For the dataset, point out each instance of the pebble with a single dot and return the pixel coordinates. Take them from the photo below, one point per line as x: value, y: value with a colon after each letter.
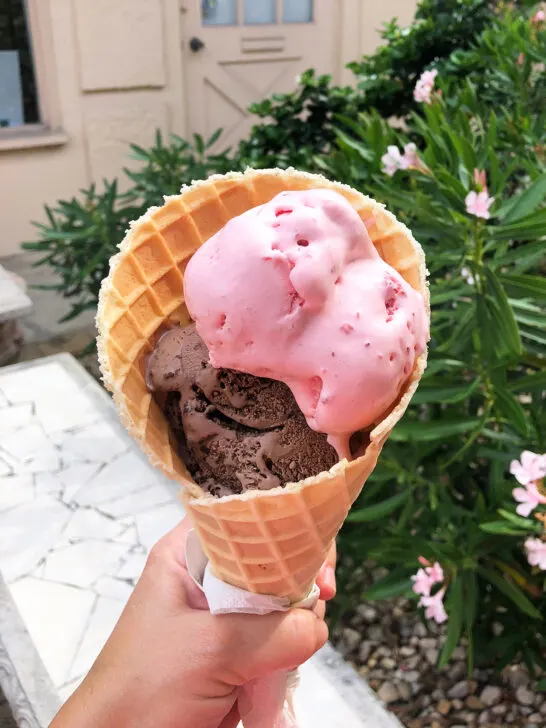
x: 457, y: 704
x: 412, y: 662
x: 368, y: 614
x: 388, y: 693
x: 388, y: 663
x: 515, y: 676
x: 457, y: 671
x: 524, y: 696
x: 459, y: 653
x: 365, y: 650
x: 376, y: 633
x: 543, y: 708
x: 535, y: 719
x: 500, y: 709
x: 414, y: 641
x: 459, y: 690
x: 411, y: 676
x: 427, y: 643
x: 407, y: 651
x: 490, y: 695
x: 432, y: 656
x: 351, y: 638
x: 443, y: 707
x: 483, y: 718
x: 404, y: 689
x: 474, y: 703
x: 420, y: 630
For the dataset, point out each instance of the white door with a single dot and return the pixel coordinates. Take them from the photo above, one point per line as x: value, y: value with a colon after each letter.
x: 241, y: 51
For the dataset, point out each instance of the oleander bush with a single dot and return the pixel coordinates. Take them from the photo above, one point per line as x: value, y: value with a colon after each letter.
x: 468, y: 177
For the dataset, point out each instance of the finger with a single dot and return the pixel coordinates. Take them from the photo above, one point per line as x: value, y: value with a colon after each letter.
x: 251, y: 646
x: 320, y: 608
x: 173, y: 543
x: 326, y: 580
x: 166, y: 567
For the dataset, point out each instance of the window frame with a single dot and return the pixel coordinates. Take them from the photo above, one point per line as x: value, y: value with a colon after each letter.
x: 47, y: 132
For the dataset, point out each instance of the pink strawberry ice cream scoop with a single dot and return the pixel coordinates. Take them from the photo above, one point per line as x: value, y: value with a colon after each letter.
x: 294, y: 290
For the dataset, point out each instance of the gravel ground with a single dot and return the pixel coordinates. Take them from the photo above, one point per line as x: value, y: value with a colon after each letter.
x: 393, y: 650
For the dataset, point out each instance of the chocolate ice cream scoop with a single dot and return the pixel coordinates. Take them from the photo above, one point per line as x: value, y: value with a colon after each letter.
x: 236, y: 431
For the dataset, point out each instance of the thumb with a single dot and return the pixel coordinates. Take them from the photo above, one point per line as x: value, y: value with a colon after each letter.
x: 254, y: 646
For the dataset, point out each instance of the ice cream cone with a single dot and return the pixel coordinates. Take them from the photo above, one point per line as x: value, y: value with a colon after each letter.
x: 264, y: 541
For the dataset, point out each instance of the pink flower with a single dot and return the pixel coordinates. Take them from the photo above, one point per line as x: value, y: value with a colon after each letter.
x: 536, y: 552
x: 531, y: 468
x: 480, y: 179
x: 436, y: 573
x: 478, y: 204
x: 422, y: 583
x: 528, y: 498
x: 424, y: 579
x: 424, y: 86
x: 410, y: 155
x: 434, y: 606
x: 394, y: 160
x: 520, y: 60
x: 539, y: 17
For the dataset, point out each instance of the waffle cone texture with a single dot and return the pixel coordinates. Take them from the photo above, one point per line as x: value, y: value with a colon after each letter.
x: 265, y: 541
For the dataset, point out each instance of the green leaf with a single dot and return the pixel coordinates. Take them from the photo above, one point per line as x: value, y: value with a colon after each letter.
x: 379, y: 510
x: 501, y: 527
x: 425, y: 395
x: 410, y: 431
x: 529, y: 383
x: 214, y: 138
x: 523, y: 255
x: 541, y: 685
x: 454, y: 608
x: 527, y: 524
x: 506, y: 328
x: 511, y: 410
x: 528, y: 200
x: 439, y: 365
x: 393, y: 585
x: 510, y: 590
x: 525, y: 285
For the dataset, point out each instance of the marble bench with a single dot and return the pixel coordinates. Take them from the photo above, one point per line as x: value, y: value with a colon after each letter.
x: 79, y: 510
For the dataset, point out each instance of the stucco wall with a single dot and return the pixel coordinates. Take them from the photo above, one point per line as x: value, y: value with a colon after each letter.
x: 119, y: 76
x: 119, y: 72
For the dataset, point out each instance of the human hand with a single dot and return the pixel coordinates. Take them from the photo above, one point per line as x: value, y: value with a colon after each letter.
x: 170, y: 664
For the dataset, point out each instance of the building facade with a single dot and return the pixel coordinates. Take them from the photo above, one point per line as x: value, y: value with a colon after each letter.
x: 80, y: 79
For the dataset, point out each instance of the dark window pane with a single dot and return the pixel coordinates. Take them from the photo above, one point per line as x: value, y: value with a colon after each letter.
x: 18, y: 93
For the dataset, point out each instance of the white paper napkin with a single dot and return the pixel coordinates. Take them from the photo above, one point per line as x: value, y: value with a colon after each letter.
x: 267, y: 702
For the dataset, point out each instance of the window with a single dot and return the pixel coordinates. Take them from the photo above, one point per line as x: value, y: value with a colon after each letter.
x: 256, y: 12
x: 18, y: 92
x: 29, y: 102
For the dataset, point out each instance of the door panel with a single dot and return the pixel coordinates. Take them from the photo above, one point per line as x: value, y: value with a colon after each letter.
x: 245, y: 50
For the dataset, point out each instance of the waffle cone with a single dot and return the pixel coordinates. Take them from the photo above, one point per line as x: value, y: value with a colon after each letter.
x: 272, y: 541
